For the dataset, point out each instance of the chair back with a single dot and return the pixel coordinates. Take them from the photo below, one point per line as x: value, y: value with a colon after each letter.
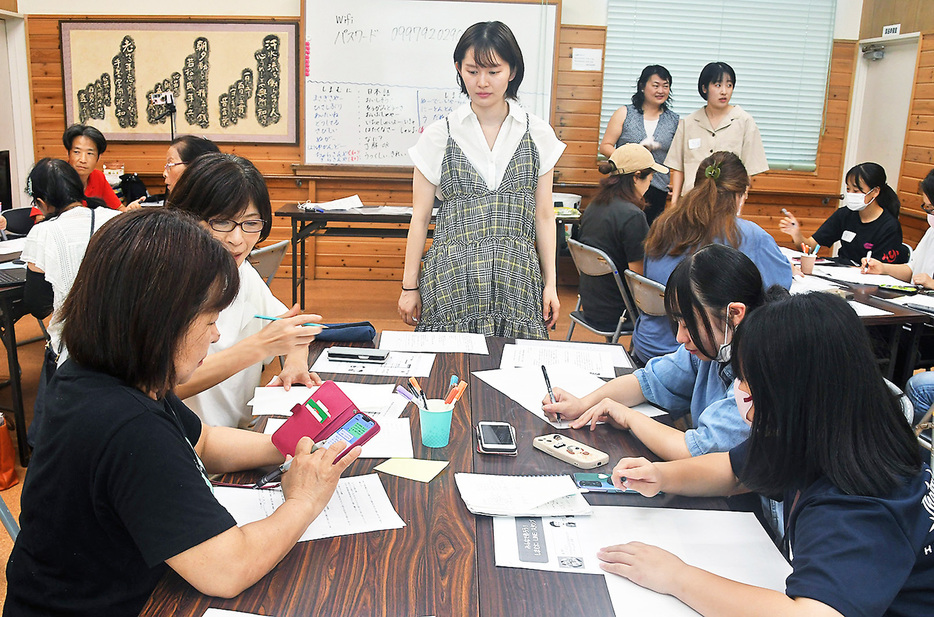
x: 647, y: 295
x: 18, y: 220
x: 594, y: 262
x: 267, y: 259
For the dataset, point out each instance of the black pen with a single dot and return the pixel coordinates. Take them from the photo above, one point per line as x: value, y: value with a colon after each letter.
x: 276, y: 473
x: 551, y: 393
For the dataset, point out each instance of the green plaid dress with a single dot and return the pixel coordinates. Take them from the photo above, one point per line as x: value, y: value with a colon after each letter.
x: 482, y: 273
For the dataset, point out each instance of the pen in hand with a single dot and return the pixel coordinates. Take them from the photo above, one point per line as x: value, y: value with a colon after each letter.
x: 268, y: 318
x: 276, y: 473
x: 551, y: 393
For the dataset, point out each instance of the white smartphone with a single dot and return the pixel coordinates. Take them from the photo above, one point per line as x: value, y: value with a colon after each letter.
x: 496, y: 438
x: 357, y: 354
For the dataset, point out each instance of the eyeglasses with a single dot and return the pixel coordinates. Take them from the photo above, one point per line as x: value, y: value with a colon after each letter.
x: 249, y: 227
x: 168, y: 166
x: 928, y: 209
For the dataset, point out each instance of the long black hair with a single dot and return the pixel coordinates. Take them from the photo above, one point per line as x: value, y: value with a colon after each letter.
x: 707, y: 282
x: 927, y: 186
x: 653, y: 69
x: 821, y: 406
x: 56, y: 183
x: 872, y: 175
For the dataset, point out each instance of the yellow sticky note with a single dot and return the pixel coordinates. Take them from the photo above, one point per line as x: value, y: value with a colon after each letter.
x: 412, y: 468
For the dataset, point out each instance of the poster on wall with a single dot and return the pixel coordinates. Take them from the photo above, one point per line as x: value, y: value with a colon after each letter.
x: 227, y: 81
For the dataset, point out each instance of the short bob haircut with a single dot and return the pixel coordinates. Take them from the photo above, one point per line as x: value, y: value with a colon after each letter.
x: 707, y: 282
x: 653, y: 69
x: 145, y: 277
x: 711, y: 74
x: 221, y: 186
x: 491, y: 39
x: 56, y: 183
x: 822, y: 408
x: 82, y: 130
x: 872, y: 175
x: 190, y: 147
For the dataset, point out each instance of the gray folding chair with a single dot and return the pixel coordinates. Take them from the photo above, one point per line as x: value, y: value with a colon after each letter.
x: 647, y: 295
x: 594, y: 262
x: 9, y: 521
x: 267, y: 259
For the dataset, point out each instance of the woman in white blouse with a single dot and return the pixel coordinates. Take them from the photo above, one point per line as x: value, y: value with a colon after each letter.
x: 491, y: 265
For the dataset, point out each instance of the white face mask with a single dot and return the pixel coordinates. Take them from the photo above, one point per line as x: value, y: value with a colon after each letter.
x: 743, y: 402
x: 931, y: 220
x: 726, y: 348
x: 856, y: 201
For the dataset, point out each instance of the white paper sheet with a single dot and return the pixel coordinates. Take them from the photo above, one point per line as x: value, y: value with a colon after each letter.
x: 526, y: 386
x: 918, y: 302
x: 854, y: 275
x: 494, y: 495
x: 864, y: 310
x: 801, y: 284
x: 438, y: 342
x: 12, y: 247
x: 617, y: 353
x: 731, y: 544
x: 399, y: 364
x: 394, y: 439
x: 358, y: 505
x: 376, y: 400
x: 595, y: 362
x: 344, y: 203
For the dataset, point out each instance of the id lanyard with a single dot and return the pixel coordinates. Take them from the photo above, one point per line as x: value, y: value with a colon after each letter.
x: 181, y: 429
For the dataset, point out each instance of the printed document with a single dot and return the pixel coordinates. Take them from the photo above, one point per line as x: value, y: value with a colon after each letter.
x: 618, y: 355
x: 376, y: 400
x: 864, y: 310
x: 492, y: 495
x: 855, y: 275
x: 439, y: 342
x: 596, y: 362
x: 398, y: 364
x: 358, y: 505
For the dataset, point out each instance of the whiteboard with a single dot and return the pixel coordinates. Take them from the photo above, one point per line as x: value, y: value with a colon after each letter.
x: 377, y: 72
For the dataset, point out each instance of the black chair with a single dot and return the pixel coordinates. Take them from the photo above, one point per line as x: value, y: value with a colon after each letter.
x: 18, y: 221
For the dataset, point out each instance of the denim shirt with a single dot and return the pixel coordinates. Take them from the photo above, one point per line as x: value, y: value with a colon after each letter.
x: 681, y: 382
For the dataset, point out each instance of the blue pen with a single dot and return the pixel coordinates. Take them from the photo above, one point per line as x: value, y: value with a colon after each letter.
x: 454, y: 381
x: 319, y: 210
x: 267, y: 318
x: 816, y: 248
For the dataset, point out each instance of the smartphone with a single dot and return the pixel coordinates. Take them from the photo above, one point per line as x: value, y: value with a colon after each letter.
x: 598, y: 483
x: 357, y: 354
x: 906, y: 289
x: 496, y: 438
x: 357, y: 430
x: 570, y: 451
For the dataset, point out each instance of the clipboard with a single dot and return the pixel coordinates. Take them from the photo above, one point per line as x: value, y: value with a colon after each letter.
x: 320, y: 417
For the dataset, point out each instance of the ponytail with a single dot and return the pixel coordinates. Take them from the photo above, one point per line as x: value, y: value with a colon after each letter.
x: 872, y: 176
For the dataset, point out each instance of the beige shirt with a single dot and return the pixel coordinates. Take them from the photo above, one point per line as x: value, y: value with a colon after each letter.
x: 696, y: 139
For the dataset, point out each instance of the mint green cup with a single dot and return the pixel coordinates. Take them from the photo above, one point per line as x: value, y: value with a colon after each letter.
x: 436, y: 423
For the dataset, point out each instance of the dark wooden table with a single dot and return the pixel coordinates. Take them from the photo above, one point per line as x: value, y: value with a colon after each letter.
x: 441, y: 563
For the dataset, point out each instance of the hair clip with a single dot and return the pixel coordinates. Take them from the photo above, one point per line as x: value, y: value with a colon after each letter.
x: 29, y: 186
x: 713, y: 171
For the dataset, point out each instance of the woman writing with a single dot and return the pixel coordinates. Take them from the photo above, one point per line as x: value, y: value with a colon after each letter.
x: 615, y: 224
x: 838, y: 448
x: 229, y: 196
x: 649, y: 122
x: 868, y: 223
x: 709, y: 294
x: 491, y: 265
x: 718, y: 125
x: 124, y: 457
x: 708, y: 213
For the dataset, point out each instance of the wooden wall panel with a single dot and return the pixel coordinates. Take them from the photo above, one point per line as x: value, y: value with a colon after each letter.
x: 913, y: 15
x: 576, y: 122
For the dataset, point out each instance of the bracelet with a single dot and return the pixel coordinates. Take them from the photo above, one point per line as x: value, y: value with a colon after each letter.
x: 404, y: 288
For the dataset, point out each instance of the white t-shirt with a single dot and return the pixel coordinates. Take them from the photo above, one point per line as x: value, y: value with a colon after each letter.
x: 226, y: 403
x: 56, y: 247
x: 428, y: 153
x: 922, y: 258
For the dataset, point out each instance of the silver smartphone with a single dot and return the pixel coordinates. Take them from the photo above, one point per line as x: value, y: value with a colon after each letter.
x: 357, y: 354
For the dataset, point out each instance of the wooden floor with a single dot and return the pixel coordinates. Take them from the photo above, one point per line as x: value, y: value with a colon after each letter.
x: 334, y: 300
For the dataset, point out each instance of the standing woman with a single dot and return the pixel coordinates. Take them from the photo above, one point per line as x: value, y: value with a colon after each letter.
x: 716, y: 126
x: 868, y: 223
x: 491, y: 266
x: 650, y: 122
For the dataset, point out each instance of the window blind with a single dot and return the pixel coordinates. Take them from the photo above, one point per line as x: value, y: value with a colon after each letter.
x: 779, y: 50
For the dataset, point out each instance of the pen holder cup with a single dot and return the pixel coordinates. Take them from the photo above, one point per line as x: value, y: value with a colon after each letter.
x: 807, y: 264
x: 436, y: 423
